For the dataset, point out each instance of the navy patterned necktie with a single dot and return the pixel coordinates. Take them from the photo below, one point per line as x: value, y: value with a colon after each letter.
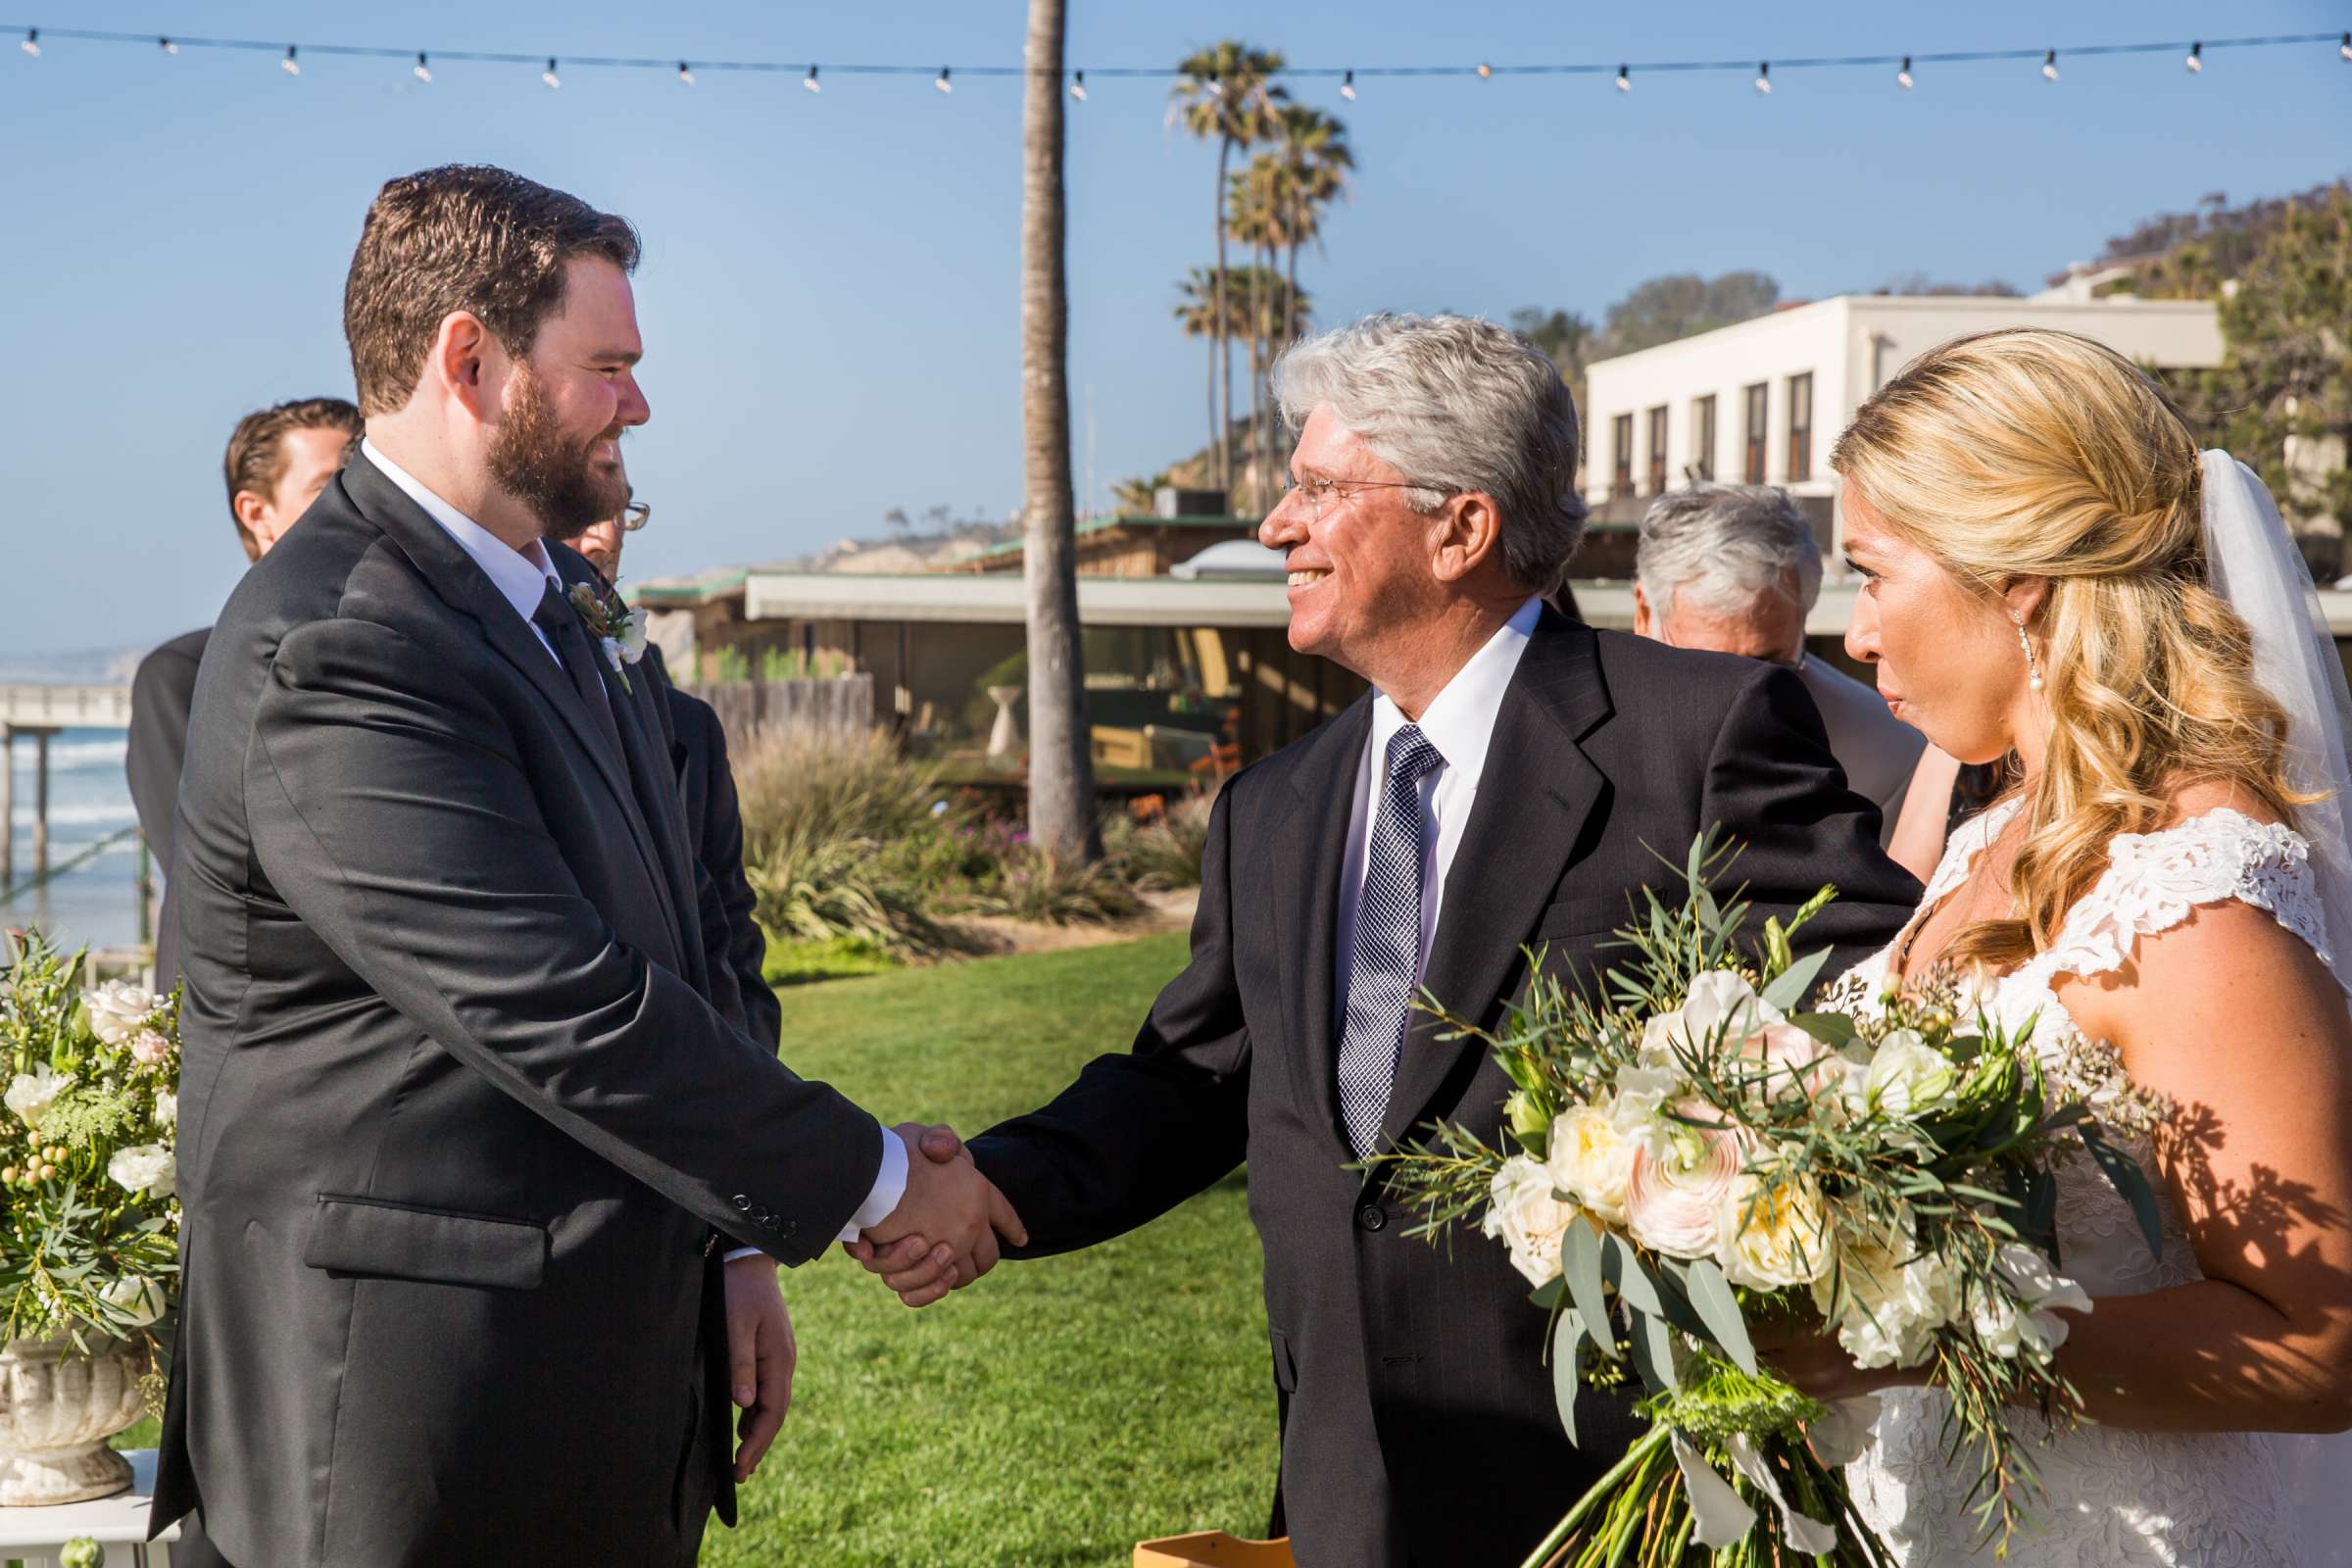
x: 1385, y: 961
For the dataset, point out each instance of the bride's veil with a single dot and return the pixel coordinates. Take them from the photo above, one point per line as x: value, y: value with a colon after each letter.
x: 2254, y: 564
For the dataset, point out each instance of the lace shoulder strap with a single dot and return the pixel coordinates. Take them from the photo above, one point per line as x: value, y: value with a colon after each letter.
x: 2153, y: 880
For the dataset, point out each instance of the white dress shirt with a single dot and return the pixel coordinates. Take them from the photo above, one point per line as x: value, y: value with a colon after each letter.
x: 520, y: 577
x: 1459, y: 721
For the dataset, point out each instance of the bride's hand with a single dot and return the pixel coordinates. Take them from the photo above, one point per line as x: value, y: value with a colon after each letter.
x: 1809, y: 1356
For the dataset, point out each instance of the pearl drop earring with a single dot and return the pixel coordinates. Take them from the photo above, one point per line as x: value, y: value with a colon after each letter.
x: 2032, y: 664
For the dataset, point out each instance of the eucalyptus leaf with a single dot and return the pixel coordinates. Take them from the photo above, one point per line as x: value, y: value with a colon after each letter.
x: 1654, y: 1349
x: 1789, y: 989
x: 1547, y: 1295
x: 2128, y: 1178
x: 1711, y: 1293
x: 1831, y: 1029
x: 1581, y: 1267
x: 1626, y: 1270
x: 1567, y: 1354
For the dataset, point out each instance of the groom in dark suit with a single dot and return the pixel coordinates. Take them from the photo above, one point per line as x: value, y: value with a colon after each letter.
x: 467, y: 1121
x: 1508, y: 783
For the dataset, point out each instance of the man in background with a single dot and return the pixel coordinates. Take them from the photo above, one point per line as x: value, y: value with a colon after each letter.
x: 279, y: 460
x: 1734, y: 567
x: 713, y: 817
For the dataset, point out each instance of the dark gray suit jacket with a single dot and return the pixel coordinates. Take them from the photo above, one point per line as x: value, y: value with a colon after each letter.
x: 714, y: 827
x: 160, y: 694
x: 1418, y: 1419
x: 459, y: 1119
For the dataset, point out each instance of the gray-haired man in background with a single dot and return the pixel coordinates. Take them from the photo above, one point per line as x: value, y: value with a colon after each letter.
x: 1734, y: 567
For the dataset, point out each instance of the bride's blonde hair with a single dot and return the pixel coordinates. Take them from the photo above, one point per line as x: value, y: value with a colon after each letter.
x: 2034, y: 454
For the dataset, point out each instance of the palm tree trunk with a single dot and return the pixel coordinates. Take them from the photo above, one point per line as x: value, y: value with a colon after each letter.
x: 1222, y: 348
x: 1061, y: 772
x: 1257, y: 335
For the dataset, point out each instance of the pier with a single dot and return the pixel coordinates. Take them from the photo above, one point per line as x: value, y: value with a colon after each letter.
x: 37, y: 712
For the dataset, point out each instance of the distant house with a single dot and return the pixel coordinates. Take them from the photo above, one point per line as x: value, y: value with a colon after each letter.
x: 1762, y: 402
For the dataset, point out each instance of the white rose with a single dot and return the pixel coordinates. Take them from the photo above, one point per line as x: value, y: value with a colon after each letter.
x: 1591, y: 1161
x: 29, y: 1094
x: 1528, y: 1218
x: 138, y: 1298
x: 147, y: 1168
x: 2043, y: 1290
x: 118, y: 1009
x: 1721, y: 999
x: 166, y: 1109
x: 1906, y: 1076
x: 1896, y: 1299
x: 1774, y: 1238
x: 633, y: 634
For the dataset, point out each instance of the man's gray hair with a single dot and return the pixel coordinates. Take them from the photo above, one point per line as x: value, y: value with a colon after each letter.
x: 1454, y: 405
x: 1725, y: 547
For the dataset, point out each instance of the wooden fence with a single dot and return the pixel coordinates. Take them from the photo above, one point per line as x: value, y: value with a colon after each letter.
x: 843, y: 706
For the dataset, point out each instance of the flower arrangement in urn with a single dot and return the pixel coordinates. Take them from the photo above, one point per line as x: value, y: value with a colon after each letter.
x: 90, y: 1219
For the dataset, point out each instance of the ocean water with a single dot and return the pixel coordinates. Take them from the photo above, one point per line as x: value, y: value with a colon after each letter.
x: 97, y: 902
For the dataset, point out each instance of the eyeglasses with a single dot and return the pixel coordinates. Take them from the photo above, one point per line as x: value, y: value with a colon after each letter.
x: 635, y: 515
x: 1321, y: 491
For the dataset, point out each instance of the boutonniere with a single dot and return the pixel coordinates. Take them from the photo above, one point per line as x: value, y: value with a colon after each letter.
x: 621, y: 629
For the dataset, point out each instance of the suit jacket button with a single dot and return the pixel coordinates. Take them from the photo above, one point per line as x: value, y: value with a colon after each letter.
x: 1372, y: 1217
x: 742, y: 1204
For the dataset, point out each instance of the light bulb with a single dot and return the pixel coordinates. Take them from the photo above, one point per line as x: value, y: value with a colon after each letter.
x: 167, y: 46
x: 1625, y: 78
x: 685, y: 75
x: 290, y: 65
x: 1764, y: 78
x: 942, y: 82
x: 2197, y: 58
x: 1348, y: 84
x: 1078, y: 86
x: 549, y: 74
x: 1485, y: 70
x: 33, y: 42
x: 420, y: 70
x: 1903, y: 78
x: 2049, y: 66
x: 1216, y: 87
x: 809, y: 81
x: 2345, y: 47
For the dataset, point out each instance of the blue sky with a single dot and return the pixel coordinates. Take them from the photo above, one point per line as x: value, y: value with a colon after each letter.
x: 829, y: 295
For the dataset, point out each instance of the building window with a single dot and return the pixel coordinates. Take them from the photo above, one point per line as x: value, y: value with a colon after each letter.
x: 1657, y: 451
x: 1755, y: 471
x: 1800, y: 427
x: 1701, y: 466
x: 1621, y: 430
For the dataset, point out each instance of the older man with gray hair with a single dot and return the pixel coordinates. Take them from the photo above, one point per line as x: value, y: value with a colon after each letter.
x: 1734, y: 567
x: 1504, y: 787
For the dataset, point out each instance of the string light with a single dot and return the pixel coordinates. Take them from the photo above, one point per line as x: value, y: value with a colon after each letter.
x: 1078, y: 86
x: 167, y: 46
x: 809, y: 81
x: 1903, y: 78
x: 2197, y: 58
x: 420, y: 70
x: 33, y: 42
x: 685, y: 76
x: 2049, y: 66
x: 1485, y: 70
x: 942, y: 82
x: 549, y: 74
x: 290, y: 65
x: 1347, y: 81
x: 1625, y: 78
x: 2345, y: 47
x: 1764, y: 78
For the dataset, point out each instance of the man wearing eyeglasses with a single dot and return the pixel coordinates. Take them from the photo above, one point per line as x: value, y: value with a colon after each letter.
x: 1507, y: 787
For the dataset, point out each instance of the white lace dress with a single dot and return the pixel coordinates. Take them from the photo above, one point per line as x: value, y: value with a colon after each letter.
x: 2114, y: 1498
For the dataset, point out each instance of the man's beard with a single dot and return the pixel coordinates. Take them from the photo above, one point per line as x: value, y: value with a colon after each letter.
x: 533, y: 462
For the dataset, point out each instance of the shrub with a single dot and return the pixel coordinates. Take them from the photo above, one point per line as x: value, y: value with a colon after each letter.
x: 1159, y: 856
x: 824, y: 822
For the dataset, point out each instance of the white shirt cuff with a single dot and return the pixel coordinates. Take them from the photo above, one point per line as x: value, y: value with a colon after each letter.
x: 890, y: 1186
x: 744, y: 1252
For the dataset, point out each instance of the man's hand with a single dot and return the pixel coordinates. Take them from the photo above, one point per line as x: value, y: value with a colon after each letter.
x: 761, y: 1356
x: 901, y: 1250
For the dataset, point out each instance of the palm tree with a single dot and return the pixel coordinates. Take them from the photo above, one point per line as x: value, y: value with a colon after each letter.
x: 1061, y: 769
x: 1315, y: 162
x: 1224, y: 94
x: 1257, y: 210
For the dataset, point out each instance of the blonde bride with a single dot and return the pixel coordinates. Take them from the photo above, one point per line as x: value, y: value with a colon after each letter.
x: 2050, y: 567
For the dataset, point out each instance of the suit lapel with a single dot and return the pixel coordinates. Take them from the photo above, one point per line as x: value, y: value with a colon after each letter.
x: 1310, y: 842
x: 462, y: 585
x: 1533, y: 797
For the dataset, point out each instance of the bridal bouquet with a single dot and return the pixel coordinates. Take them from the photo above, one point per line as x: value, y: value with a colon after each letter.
x: 88, y: 1213
x: 1693, y: 1155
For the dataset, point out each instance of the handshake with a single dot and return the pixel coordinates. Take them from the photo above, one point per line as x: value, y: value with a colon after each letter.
x: 943, y: 1234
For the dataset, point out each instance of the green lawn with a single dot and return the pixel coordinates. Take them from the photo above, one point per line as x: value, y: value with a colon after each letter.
x: 1057, y: 1411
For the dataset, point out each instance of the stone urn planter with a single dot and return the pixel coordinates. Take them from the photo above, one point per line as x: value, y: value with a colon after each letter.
x: 57, y: 1408
x: 1005, y: 739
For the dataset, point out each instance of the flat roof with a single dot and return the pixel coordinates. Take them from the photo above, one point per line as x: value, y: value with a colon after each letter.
x: 1002, y: 599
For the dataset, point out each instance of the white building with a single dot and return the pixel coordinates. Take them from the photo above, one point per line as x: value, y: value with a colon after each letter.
x: 1762, y: 402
